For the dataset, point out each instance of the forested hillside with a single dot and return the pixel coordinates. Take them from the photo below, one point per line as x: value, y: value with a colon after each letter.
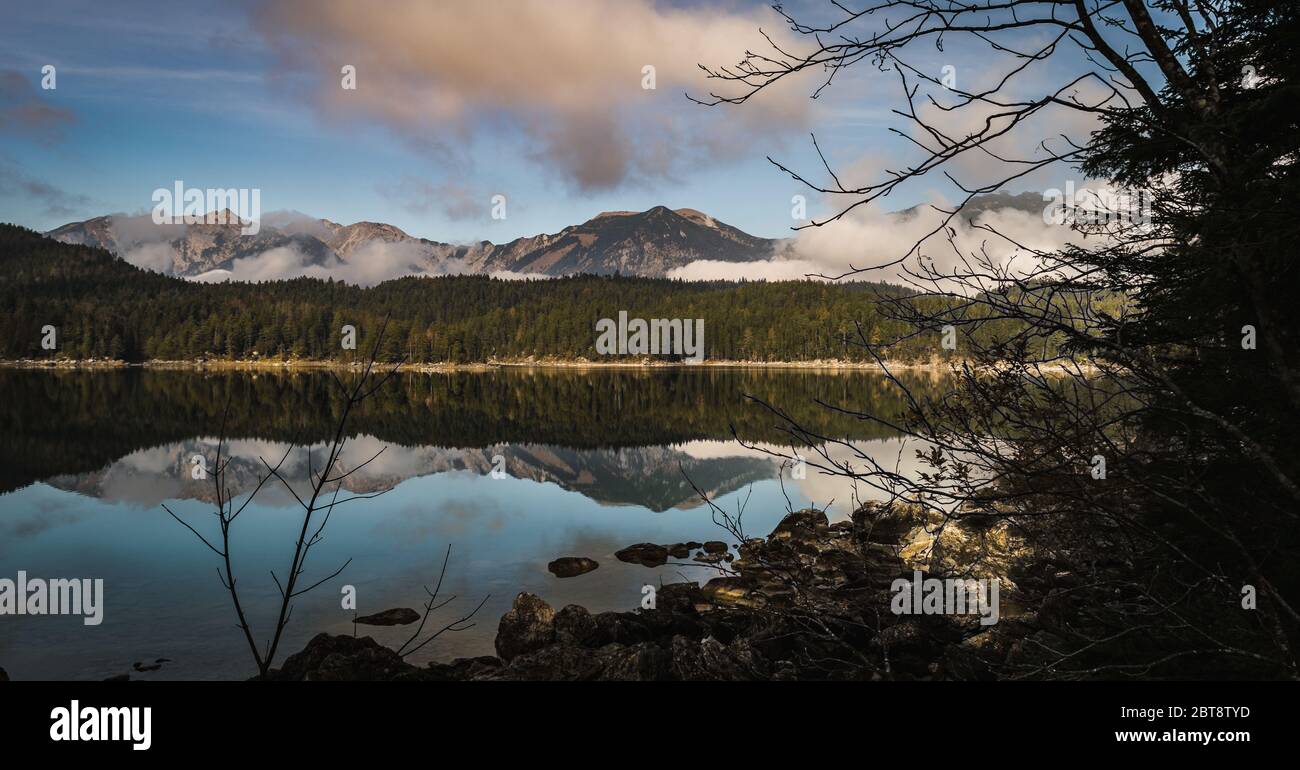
x: 103, y: 307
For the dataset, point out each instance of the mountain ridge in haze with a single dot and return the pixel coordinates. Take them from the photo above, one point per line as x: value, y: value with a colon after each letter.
x: 649, y: 243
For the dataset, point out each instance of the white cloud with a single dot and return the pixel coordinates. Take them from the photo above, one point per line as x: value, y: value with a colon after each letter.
x: 868, y: 237
x: 372, y: 262
x: 158, y: 256
x: 566, y: 75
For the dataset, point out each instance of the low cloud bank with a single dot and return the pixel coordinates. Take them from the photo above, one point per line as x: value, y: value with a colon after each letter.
x: 870, y: 238
x: 373, y: 262
x: 150, y: 246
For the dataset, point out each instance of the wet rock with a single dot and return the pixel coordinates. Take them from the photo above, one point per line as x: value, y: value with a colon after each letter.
x: 554, y: 663
x: 621, y: 628
x: 730, y: 591
x: 879, y: 524
x: 528, y: 626
x: 643, y: 662
x: 967, y: 546
x: 328, y: 658
x: 745, y: 625
x: 465, y: 669
x: 803, y: 526
x: 574, y: 625
x: 679, y: 597
x: 645, y: 554
x: 398, y: 616
x: 708, y: 659
x: 571, y: 566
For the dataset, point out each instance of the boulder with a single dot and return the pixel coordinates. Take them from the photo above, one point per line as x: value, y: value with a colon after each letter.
x: 574, y: 625
x: 881, y: 524
x: 621, y: 628
x: 552, y: 663
x: 679, y: 597
x: 807, y: 524
x: 643, y: 662
x: 528, y: 626
x: 729, y: 591
x: 465, y: 669
x: 398, y: 616
x: 328, y: 658
x: 612, y: 662
x: 710, y: 660
x: 571, y: 566
x: 645, y: 554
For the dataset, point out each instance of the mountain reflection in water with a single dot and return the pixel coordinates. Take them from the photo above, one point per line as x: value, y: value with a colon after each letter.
x: 593, y: 461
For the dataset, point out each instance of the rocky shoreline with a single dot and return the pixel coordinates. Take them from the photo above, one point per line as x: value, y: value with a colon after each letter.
x: 809, y: 601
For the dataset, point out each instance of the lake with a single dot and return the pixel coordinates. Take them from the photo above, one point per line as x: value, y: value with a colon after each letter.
x: 593, y: 461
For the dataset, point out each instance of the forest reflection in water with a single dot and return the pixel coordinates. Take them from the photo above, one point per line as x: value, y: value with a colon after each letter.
x: 593, y: 461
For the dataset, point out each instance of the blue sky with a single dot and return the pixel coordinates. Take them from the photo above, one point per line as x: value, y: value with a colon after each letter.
x: 455, y: 103
x: 147, y: 94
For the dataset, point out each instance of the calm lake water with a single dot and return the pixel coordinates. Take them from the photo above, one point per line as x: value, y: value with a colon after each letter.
x: 594, y: 462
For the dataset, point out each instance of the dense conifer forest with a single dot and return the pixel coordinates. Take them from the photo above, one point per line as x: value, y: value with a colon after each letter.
x: 103, y: 307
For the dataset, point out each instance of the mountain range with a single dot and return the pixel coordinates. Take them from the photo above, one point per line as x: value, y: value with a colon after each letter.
x: 648, y: 243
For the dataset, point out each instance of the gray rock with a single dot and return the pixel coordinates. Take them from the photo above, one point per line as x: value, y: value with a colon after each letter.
x: 328, y: 658
x: 645, y: 554
x: 554, y: 663
x: 465, y: 669
x: 710, y: 660
x: 528, y: 626
x: 575, y: 625
x: 398, y: 616
x: 640, y: 662
x: 730, y: 591
x: 801, y: 526
x: 679, y: 597
x: 571, y: 566
x: 644, y: 662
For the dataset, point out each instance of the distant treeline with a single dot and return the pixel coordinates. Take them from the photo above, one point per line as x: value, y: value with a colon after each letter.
x: 102, y: 307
